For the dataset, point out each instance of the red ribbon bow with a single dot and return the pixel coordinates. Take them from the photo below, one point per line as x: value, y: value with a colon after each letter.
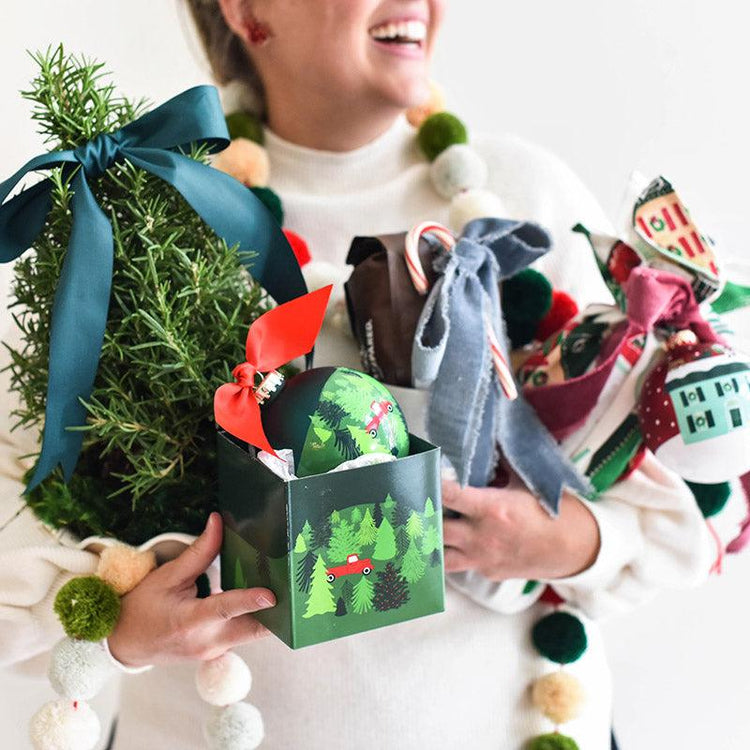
x: 274, y: 339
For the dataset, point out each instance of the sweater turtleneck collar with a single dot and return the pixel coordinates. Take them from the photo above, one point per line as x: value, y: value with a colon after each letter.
x: 298, y: 169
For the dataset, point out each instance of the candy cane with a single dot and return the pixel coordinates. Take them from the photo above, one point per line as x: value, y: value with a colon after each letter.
x: 413, y: 263
x: 419, y: 279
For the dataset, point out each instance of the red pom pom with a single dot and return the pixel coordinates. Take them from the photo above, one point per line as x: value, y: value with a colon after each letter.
x: 563, y: 309
x: 551, y: 597
x: 299, y: 247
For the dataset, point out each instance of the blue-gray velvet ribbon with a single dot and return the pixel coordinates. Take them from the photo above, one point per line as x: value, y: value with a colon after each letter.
x: 469, y: 416
x: 154, y: 143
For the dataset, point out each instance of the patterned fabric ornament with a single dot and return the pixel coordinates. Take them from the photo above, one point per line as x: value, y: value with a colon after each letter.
x: 325, y: 415
x: 695, y: 410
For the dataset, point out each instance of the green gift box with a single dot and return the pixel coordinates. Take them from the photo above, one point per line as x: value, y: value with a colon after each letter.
x: 343, y: 552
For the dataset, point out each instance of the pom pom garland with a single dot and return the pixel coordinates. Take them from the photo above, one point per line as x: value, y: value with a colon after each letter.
x: 271, y: 201
x: 563, y: 309
x: 438, y: 132
x: 458, y: 168
x: 246, y: 161
x: 245, y: 125
x: 553, y: 741
x: 236, y: 727
x: 711, y: 498
x: 560, y: 637
x: 64, y: 725
x: 526, y: 299
x: 473, y: 204
x: 123, y: 568
x: 559, y: 696
x: 78, y: 669
x: 88, y: 608
x: 299, y: 247
x: 223, y: 680
x: 435, y: 102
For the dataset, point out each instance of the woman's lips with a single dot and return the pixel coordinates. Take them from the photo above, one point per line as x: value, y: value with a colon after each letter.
x: 405, y: 37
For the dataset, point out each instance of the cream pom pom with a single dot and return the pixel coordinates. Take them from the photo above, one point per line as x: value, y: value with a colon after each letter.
x: 320, y: 273
x: 458, y: 168
x: 223, y: 680
x: 123, y: 568
x: 246, y: 161
x: 236, y: 727
x: 64, y: 725
x: 473, y: 204
x: 435, y: 102
x: 559, y: 696
x: 78, y: 669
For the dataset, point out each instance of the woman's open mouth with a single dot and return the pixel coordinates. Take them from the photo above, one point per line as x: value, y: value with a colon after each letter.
x: 401, y: 36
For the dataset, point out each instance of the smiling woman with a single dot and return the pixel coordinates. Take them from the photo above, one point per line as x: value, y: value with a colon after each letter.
x: 331, y: 81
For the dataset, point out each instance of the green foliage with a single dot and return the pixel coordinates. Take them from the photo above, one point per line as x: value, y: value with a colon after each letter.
x: 180, y: 304
x: 320, y: 600
x: 391, y: 589
x: 363, y: 595
x: 385, y: 543
x: 307, y: 532
x: 413, y: 566
x: 368, y: 532
x: 389, y: 505
x: 414, y: 526
x: 88, y: 608
x: 335, y: 517
x: 343, y: 542
x: 402, y: 541
x: 356, y: 515
x: 300, y: 545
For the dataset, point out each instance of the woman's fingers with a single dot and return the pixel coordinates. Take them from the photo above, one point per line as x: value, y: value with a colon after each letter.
x: 194, y: 560
x: 456, y: 533
x: 240, y: 630
x: 456, y: 561
x: 229, y: 605
x: 464, y: 500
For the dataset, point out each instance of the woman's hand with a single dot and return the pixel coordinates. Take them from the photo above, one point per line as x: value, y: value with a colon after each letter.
x: 162, y: 620
x: 505, y: 533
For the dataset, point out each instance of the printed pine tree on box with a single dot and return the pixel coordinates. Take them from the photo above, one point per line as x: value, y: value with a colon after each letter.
x: 344, y: 552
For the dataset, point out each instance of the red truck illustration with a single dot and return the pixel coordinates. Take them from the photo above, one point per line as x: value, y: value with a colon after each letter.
x: 379, y: 410
x: 353, y: 565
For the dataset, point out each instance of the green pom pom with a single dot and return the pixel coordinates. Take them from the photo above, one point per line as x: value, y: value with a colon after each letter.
x: 271, y: 201
x: 560, y: 637
x: 711, y: 498
x: 526, y: 299
x: 440, y: 131
x: 245, y: 125
x: 88, y: 608
x: 553, y: 741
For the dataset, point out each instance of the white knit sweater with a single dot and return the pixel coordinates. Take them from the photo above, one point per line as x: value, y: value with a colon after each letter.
x: 459, y: 679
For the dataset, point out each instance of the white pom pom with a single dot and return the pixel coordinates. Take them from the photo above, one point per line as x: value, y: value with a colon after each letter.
x: 473, y: 204
x: 223, y: 680
x: 64, y: 725
x: 78, y: 669
x: 320, y: 273
x: 458, y: 168
x: 236, y: 727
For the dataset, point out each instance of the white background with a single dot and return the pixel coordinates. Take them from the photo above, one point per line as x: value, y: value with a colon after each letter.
x: 657, y: 85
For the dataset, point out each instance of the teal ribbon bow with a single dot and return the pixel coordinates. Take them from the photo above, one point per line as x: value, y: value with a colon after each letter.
x: 154, y: 143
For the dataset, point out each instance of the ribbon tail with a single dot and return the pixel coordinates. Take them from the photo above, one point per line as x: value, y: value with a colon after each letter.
x: 287, y: 331
x: 22, y: 219
x: 79, y: 318
x: 237, y: 412
x: 535, y: 456
x: 249, y: 224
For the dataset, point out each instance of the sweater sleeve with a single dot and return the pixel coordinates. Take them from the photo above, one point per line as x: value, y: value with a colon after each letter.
x: 33, y: 562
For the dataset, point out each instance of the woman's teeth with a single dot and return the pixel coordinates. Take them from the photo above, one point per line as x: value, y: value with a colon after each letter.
x: 402, y: 32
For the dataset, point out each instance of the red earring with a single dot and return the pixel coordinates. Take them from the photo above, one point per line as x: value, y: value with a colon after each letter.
x: 258, y: 33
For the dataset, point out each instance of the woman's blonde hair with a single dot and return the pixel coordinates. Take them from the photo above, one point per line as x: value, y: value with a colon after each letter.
x: 230, y: 63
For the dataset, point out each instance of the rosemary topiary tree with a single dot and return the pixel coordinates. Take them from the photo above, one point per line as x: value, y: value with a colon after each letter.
x: 180, y: 304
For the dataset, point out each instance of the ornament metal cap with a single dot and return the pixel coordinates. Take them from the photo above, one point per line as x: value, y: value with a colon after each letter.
x: 269, y: 386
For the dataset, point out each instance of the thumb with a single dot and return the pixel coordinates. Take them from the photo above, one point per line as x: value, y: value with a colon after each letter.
x: 196, y: 558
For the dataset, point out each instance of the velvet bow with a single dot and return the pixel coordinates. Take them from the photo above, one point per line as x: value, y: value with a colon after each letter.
x: 154, y: 143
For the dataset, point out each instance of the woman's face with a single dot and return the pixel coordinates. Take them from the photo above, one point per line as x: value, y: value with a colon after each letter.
x: 368, y: 51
